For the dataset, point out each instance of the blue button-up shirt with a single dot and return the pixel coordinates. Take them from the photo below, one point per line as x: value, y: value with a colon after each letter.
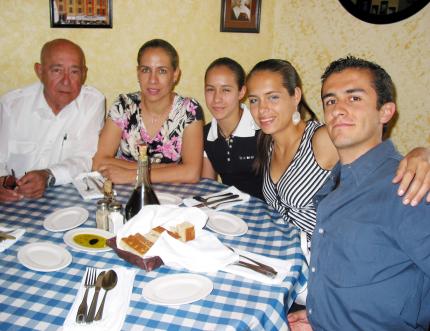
x: 370, y: 263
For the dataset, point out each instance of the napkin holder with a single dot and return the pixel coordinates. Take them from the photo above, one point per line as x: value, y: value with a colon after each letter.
x: 147, y: 264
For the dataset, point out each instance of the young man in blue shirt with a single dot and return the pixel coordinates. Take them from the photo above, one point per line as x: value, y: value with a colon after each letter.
x: 370, y: 263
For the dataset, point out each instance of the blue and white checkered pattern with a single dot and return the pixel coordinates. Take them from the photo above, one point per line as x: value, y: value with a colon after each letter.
x: 31, y: 300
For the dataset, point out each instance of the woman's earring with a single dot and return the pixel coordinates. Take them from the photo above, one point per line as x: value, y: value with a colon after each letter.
x: 296, y: 117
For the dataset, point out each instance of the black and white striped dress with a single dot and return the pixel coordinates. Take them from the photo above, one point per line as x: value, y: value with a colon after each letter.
x: 292, y: 195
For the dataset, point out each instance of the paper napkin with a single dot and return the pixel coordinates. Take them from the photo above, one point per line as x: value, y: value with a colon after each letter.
x: 244, y: 197
x: 283, y: 268
x: 94, y: 192
x: 18, y: 233
x: 116, y: 305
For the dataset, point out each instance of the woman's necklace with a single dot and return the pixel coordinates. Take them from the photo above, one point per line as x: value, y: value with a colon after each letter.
x: 156, y: 119
x: 227, y: 136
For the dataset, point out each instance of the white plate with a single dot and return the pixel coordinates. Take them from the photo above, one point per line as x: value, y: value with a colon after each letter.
x: 226, y: 224
x: 44, y: 256
x: 177, y: 289
x: 168, y: 199
x: 90, y: 232
x: 65, y: 219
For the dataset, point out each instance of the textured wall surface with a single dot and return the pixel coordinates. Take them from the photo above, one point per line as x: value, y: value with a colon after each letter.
x: 309, y: 33
x: 313, y: 33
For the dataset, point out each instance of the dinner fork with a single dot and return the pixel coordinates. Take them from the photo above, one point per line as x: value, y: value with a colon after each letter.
x: 216, y: 205
x: 90, y: 281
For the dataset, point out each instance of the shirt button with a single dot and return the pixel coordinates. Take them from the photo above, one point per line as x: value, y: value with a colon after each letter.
x: 228, y: 159
x: 310, y: 311
x: 320, y: 231
x: 313, y: 269
x: 228, y: 153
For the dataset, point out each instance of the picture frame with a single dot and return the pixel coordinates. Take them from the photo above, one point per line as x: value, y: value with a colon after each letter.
x: 240, y: 16
x: 81, y: 13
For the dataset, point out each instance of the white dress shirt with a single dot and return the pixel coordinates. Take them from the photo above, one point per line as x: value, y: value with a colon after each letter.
x: 32, y: 137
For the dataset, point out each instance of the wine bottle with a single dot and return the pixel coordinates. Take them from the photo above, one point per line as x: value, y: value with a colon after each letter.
x: 143, y: 194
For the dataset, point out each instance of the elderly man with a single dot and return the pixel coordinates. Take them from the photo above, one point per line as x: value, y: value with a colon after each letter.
x: 370, y: 263
x: 49, y: 130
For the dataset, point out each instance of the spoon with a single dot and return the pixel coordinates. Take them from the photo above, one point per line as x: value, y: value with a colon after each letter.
x: 109, y: 282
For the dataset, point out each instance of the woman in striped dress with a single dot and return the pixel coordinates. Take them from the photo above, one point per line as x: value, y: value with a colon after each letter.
x: 297, y: 155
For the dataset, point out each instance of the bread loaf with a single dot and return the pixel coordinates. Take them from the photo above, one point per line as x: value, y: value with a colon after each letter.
x: 140, y: 244
x: 186, y: 231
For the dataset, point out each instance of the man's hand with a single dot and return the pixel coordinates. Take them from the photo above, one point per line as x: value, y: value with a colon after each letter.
x: 8, y: 195
x: 118, y: 175
x: 32, y: 185
x: 298, y: 321
x: 413, y: 175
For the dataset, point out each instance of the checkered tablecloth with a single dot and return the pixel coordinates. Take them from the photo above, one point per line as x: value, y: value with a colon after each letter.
x: 31, y: 300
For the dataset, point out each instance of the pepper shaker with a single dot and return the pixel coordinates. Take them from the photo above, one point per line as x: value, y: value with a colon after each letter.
x: 102, y: 214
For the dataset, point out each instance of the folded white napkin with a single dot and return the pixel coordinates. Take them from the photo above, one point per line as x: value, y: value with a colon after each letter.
x: 9, y: 242
x: 244, y: 197
x: 203, y: 254
x: 116, y: 304
x: 283, y: 268
x: 80, y: 183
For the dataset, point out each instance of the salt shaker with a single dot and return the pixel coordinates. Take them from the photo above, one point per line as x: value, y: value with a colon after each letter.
x: 116, y: 218
x: 102, y: 214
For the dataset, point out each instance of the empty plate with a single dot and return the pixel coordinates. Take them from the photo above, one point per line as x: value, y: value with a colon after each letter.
x: 65, y: 219
x: 168, y: 199
x: 226, y: 224
x: 44, y: 256
x: 177, y: 289
x: 88, y: 239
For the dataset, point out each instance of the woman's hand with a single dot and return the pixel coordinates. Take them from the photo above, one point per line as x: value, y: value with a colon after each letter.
x: 118, y: 175
x: 413, y: 175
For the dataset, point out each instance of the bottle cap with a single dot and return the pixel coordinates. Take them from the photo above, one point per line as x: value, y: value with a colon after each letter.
x: 102, y: 202
x: 115, y: 206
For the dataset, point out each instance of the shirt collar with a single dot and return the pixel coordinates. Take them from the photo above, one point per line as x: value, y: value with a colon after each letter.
x: 245, y: 128
x: 45, y: 110
x: 368, y: 163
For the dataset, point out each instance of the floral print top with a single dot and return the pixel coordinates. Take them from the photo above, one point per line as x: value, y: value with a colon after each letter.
x: 166, y: 145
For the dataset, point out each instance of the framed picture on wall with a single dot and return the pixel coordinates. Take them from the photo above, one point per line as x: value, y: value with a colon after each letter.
x: 81, y: 13
x: 240, y: 16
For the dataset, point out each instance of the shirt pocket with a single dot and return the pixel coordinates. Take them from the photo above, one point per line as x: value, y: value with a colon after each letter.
x: 22, y: 154
x: 357, y: 257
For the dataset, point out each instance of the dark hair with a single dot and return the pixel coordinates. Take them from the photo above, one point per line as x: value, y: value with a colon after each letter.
x: 382, y: 82
x: 231, y: 64
x: 290, y: 80
x: 166, y: 46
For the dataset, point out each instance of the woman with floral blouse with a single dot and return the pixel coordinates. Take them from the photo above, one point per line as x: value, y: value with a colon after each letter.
x: 171, y: 125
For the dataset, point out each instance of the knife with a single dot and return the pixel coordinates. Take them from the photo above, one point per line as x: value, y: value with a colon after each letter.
x: 5, y: 235
x: 92, y: 311
x: 214, y: 202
